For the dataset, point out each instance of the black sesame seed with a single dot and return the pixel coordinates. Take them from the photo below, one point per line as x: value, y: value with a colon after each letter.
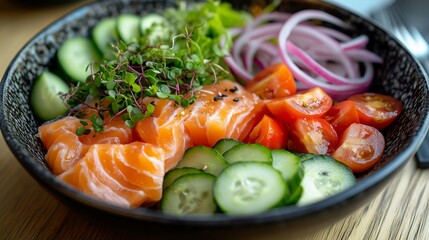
x: 233, y: 89
x: 217, y: 98
x: 236, y: 99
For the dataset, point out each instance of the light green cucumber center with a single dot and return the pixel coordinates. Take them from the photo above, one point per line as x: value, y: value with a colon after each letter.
x: 192, y: 201
x: 248, y: 189
x: 327, y: 183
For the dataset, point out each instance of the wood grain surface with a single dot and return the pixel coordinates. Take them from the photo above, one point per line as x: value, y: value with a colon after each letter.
x: 27, y: 211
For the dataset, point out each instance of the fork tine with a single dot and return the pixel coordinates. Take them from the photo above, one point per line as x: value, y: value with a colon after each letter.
x: 408, y: 35
x: 422, y: 45
x: 397, y: 25
x: 383, y: 17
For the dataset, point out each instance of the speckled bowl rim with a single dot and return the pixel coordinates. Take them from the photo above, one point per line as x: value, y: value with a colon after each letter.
x: 281, y: 214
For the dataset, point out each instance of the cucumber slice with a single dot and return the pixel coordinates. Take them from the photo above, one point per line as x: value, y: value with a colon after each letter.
x: 152, y: 20
x: 248, y: 152
x: 324, y: 177
x: 290, y: 167
x: 204, y: 158
x: 245, y: 188
x: 175, y: 173
x: 155, y: 27
x: 190, y: 194
x: 104, y: 35
x: 225, y: 144
x: 306, y: 156
x: 45, y: 97
x: 128, y: 27
x: 75, y: 55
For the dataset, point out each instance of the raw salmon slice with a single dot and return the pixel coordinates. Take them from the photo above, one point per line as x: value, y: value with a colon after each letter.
x: 127, y: 175
x: 115, y: 131
x: 65, y: 152
x: 165, y: 129
x: 49, y: 131
x: 224, y: 110
x: 65, y: 148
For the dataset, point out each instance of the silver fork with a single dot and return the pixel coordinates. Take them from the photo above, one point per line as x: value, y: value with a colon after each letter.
x: 408, y: 34
x: 411, y: 37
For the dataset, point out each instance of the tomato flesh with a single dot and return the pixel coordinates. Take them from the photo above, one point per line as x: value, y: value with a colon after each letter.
x: 308, y: 104
x: 313, y: 135
x: 361, y: 147
x: 269, y: 133
x: 341, y: 115
x: 273, y: 82
x: 376, y: 110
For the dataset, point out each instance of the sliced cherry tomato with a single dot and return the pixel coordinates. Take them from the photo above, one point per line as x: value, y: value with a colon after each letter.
x: 270, y: 133
x: 376, y: 110
x: 311, y: 103
x: 273, y: 82
x: 341, y: 115
x: 313, y: 135
x: 361, y: 147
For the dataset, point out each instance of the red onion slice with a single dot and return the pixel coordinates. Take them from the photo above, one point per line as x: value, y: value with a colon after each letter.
x: 329, y: 44
x: 268, y: 17
x: 322, y: 71
x: 356, y: 43
x: 317, y: 56
x: 364, y: 55
x: 333, y: 33
x: 262, y: 31
x: 254, y: 45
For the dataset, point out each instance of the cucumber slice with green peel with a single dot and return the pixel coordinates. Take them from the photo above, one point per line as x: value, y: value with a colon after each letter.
x: 225, y: 144
x: 45, y: 98
x: 128, y: 27
x: 152, y: 20
x: 324, y: 177
x: 290, y: 166
x: 245, y: 188
x: 75, y: 55
x: 104, y: 35
x: 155, y: 27
x: 175, y: 173
x: 204, y: 158
x: 248, y: 152
x: 306, y: 156
x: 190, y: 194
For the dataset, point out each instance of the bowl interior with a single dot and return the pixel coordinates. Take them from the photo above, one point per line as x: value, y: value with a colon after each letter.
x: 399, y: 76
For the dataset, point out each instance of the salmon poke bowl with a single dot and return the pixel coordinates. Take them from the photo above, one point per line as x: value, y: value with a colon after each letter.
x: 214, y: 115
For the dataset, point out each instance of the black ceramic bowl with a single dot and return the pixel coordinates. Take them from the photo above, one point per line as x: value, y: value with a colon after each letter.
x: 400, y: 76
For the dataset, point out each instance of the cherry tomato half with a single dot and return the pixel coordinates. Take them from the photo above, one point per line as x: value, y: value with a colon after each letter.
x: 273, y: 82
x: 313, y: 135
x: 269, y: 133
x: 311, y: 103
x: 341, y: 115
x: 376, y: 110
x: 361, y: 147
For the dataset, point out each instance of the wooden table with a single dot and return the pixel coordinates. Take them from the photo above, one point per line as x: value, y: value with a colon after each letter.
x: 27, y: 211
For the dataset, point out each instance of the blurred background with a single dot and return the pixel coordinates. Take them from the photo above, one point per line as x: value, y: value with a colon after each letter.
x: 32, y: 3
x: 22, y: 19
